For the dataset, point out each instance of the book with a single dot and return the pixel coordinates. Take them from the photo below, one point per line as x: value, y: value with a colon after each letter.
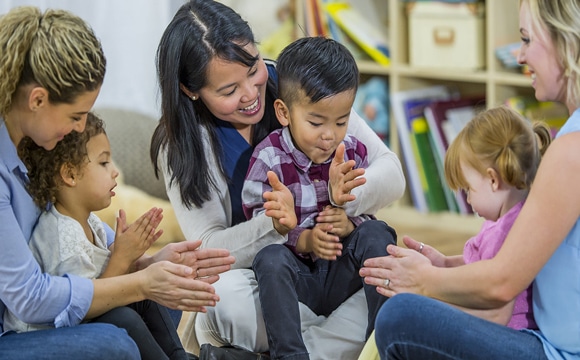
x: 370, y: 38
x: 431, y: 181
x: 411, y: 103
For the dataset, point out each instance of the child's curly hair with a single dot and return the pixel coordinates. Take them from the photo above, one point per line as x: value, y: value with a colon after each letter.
x: 44, y: 166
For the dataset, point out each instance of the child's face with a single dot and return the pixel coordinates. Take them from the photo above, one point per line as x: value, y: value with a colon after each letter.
x: 94, y: 187
x: 483, y: 194
x: 318, y: 128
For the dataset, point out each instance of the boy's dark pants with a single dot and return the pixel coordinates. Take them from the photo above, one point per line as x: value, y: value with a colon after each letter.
x: 285, y: 279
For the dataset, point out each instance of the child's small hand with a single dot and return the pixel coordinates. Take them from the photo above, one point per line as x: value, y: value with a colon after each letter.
x: 341, y: 224
x: 324, y: 244
x: 132, y: 241
x: 279, y: 205
x: 343, y: 178
x: 437, y: 258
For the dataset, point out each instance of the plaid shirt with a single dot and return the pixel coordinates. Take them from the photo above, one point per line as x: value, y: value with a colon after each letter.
x: 308, y: 182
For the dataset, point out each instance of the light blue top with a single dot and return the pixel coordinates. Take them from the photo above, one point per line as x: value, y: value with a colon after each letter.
x: 556, y: 295
x: 33, y: 296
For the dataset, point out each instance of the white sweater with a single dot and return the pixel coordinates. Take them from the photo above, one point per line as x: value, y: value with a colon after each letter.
x: 212, y: 222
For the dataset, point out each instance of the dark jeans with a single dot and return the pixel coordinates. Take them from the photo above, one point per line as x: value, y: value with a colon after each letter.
x: 411, y: 327
x: 151, y: 327
x: 285, y: 279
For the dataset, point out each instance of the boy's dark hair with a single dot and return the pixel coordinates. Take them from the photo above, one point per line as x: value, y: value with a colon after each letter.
x: 44, y: 165
x: 318, y: 66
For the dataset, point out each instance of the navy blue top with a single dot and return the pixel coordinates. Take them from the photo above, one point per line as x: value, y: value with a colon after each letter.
x: 236, y: 158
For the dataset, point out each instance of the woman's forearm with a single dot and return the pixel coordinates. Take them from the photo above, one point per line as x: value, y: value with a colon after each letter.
x: 385, y: 181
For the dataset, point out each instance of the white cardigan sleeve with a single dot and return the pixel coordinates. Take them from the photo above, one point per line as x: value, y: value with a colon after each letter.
x: 212, y: 222
x: 385, y: 179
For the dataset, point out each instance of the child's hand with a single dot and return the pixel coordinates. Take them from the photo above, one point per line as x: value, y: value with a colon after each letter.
x: 323, y: 243
x: 341, y: 224
x: 131, y: 241
x: 279, y: 205
x: 437, y: 258
x: 343, y: 178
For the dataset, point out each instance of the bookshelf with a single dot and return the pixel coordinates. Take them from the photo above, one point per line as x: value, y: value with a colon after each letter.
x: 494, y: 82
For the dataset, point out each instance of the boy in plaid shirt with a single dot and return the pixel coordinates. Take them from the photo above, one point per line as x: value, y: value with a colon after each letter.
x: 319, y: 263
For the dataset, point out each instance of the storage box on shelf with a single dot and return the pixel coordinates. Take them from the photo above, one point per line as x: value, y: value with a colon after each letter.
x: 446, y: 35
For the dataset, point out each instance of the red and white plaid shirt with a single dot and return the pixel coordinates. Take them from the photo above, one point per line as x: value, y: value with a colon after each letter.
x: 308, y: 182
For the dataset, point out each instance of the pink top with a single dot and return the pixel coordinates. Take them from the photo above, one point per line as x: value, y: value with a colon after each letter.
x: 485, y: 245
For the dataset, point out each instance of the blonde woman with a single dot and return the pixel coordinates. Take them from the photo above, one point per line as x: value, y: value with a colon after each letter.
x: 51, y: 70
x: 542, y: 247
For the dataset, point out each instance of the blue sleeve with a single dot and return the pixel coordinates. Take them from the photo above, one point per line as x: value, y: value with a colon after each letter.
x: 110, y: 234
x: 33, y: 296
x: 272, y: 73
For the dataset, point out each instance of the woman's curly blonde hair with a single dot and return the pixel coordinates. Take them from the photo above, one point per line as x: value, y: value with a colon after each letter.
x: 44, y: 166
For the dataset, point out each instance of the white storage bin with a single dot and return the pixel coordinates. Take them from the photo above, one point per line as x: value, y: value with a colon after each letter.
x: 446, y: 35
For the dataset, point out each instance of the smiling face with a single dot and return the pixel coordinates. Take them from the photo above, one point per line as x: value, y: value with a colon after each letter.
x: 317, y: 128
x: 538, y: 52
x: 49, y: 122
x: 94, y: 186
x: 236, y: 93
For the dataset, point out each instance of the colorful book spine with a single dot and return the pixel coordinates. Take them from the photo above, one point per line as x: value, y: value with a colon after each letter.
x: 432, y: 183
x: 372, y: 40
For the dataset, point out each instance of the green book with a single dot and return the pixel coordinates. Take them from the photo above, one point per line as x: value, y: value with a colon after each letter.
x: 431, y: 181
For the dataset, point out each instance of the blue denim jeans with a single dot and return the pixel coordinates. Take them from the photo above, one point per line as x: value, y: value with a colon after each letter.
x: 86, y: 341
x: 285, y: 279
x: 411, y: 326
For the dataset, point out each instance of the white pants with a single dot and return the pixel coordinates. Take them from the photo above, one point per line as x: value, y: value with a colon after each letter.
x: 237, y: 320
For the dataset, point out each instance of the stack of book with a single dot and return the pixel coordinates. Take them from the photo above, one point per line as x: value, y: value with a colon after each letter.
x: 427, y: 120
x: 345, y: 23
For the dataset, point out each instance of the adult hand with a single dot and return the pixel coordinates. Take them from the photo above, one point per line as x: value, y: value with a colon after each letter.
x: 343, y: 178
x: 400, y: 272
x: 174, y: 286
x: 206, y: 263
x: 436, y: 258
x: 341, y: 224
x: 279, y: 205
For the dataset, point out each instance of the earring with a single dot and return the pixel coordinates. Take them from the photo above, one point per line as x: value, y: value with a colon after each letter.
x: 73, y: 182
x: 193, y: 97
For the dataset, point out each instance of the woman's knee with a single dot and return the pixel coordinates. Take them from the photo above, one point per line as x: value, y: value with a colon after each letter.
x: 403, y: 313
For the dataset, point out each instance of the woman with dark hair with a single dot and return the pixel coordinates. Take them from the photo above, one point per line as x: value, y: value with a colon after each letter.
x: 217, y: 96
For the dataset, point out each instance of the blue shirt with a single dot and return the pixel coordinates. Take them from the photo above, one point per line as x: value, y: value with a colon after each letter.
x: 236, y: 157
x: 33, y: 296
x: 556, y: 295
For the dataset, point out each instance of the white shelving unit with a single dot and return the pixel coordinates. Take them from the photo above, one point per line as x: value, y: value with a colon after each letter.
x: 494, y: 81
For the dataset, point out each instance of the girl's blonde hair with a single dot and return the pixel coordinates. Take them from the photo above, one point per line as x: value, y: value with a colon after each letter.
x: 55, y: 49
x: 44, y: 166
x: 561, y: 20
x: 502, y: 139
